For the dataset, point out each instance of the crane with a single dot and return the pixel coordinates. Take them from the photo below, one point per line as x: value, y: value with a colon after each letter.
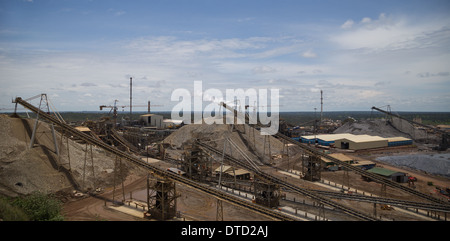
x: 148, y: 106
x: 113, y: 109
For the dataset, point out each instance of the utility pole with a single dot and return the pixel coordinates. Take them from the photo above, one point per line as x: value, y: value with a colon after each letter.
x: 321, y: 106
x: 131, y: 96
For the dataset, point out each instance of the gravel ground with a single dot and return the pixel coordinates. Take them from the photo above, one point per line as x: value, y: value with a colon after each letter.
x: 438, y: 164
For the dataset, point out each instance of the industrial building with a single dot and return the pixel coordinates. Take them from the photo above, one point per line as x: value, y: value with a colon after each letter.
x: 324, y: 139
x: 361, y: 142
x: 331, y: 166
x: 230, y: 171
x: 354, y: 142
x: 152, y: 120
x: 393, y: 175
x: 399, y: 141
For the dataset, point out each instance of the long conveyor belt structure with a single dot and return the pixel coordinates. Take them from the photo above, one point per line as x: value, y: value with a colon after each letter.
x: 388, y: 201
x: 157, y: 171
x: 289, y: 186
x: 348, y: 166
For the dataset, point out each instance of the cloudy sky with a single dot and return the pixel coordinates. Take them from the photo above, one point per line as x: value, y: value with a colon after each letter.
x: 82, y: 53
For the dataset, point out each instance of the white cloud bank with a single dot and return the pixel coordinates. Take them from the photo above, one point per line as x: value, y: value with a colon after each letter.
x: 386, y: 60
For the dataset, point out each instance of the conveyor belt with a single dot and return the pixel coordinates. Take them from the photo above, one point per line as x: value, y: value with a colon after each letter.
x: 382, y: 200
x: 123, y: 141
x: 159, y: 172
x: 290, y: 186
x: 358, y: 170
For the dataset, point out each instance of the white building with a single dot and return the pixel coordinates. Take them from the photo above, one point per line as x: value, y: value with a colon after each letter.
x: 153, y: 120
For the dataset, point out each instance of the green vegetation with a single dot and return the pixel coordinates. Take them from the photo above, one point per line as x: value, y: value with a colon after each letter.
x: 9, y: 212
x: 35, y: 207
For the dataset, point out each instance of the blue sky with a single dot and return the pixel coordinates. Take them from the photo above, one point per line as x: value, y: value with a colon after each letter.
x: 360, y: 53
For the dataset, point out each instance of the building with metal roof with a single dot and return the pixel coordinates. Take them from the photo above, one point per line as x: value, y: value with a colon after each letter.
x: 330, y: 165
x: 231, y: 171
x: 393, y: 175
x: 354, y: 142
x: 324, y: 139
x: 152, y: 120
x: 360, y: 142
x: 399, y: 141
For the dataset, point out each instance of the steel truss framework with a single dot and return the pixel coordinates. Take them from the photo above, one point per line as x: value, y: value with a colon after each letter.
x: 267, y: 194
x: 196, y: 163
x: 161, y: 198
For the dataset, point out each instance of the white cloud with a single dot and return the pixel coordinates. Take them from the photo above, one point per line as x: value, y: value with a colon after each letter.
x: 263, y: 69
x: 366, y: 20
x: 348, y: 24
x: 361, y: 64
x: 389, y: 33
x: 366, y: 94
x: 309, y: 54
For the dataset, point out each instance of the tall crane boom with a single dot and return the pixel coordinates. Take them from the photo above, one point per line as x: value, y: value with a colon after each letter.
x: 413, y: 122
x: 445, y: 136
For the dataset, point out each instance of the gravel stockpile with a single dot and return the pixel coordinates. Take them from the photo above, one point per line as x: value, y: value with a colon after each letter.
x: 24, y: 170
x: 214, y: 135
x: 376, y: 127
x: 438, y: 164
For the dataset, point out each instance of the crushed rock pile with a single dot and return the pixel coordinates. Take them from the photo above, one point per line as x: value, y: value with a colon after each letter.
x: 246, y: 138
x: 379, y: 127
x: 24, y: 170
x: 438, y: 164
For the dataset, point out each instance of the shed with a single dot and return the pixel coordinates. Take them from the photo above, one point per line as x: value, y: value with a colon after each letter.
x: 393, y: 175
x: 339, y: 156
x: 152, y: 120
x: 360, y: 142
x: 83, y: 129
x: 230, y: 171
x: 364, y: 164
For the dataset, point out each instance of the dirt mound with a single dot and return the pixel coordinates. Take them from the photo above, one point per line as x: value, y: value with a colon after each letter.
x: 436, y: 164
x: 381, y: 127
x: 24, y: 169
x: 246, y: 138
x: 376, y: 127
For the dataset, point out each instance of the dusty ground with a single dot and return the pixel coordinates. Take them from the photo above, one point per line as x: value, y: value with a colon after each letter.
x: 192, y: 204
x: 24, y: 169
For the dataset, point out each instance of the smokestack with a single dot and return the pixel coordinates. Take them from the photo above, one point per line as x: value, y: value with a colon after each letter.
x: 149, y: 107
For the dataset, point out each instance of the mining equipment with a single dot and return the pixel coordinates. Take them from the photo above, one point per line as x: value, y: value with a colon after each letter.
x: 445, y: 142
x: 114, y: 110
x: 196, y: 163
x: 311, y: 166
x: 266, y: 193
x: 161, y: 198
